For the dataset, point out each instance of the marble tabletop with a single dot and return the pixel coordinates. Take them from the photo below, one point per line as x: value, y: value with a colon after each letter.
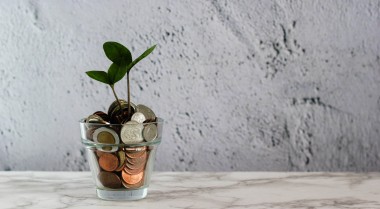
x: 197, y: 190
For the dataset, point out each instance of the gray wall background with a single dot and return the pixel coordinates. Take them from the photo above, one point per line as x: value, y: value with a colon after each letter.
x: 242, y: 85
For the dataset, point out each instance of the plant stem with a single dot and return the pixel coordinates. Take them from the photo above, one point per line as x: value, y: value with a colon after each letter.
x: 129, y: 96
x: 114, y: 93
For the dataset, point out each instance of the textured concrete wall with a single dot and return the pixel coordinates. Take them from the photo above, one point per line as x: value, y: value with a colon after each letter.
x: 242, y: 85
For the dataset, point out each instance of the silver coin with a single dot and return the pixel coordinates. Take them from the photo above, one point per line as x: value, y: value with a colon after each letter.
x: 132, y: 132
x: 138, y: 117
x: 148, y: 113
x: 150, y: 132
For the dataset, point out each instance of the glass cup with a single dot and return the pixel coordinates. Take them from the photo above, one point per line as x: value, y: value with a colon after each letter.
x: 120, y: 171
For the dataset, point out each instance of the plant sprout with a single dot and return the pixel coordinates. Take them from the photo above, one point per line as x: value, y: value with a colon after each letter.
x: 122, y: 64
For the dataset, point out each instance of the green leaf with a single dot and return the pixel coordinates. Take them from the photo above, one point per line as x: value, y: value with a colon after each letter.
x: 117, y: 53
x: 112, y: 71
x: 99, y: 76
x: 116, y: 72
x: 142, y: 56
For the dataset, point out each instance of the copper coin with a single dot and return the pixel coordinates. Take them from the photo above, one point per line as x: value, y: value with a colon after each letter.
x: 135, y: 166
x: 132, y: 179
x: 138, y: 160
x: 135, y: 154
x: 99, y: 153
x: 134, y: 149
x: 109, y: 180
x: 131, y: 171
x: 133, y: 186
x: 108, y: 162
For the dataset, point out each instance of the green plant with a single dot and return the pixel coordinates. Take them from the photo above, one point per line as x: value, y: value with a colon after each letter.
x: 122, y: 64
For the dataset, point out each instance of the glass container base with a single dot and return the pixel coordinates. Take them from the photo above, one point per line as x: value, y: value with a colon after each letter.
x: 136, y: 194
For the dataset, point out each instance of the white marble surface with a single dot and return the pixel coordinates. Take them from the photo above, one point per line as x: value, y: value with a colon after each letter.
x: 197, y: 190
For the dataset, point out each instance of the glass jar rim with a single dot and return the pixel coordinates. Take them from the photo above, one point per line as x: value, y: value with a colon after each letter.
x: 89, y: 143
x: 82, y: 121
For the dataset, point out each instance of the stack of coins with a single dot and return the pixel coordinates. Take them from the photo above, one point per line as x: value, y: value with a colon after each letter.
x: 133, y: 172
x: 122, y: 166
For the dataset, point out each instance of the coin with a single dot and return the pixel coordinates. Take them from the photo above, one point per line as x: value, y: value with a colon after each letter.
x: 103, y: 115
x: 150, y: 132
x: 133, y: 170
x: 95, y: 119
x: 90, y: 133
x: 106, y: 136
x: 136, y: 165
x: 138, y: 160
x: 132, y: 179
x: 121, y: 155
x: 131, y: 132
x: 133, y: 186
x: 138, y: 117
x: 108, y: 162
x: 109, y: 180
x: 148, y: 113
x: 134, y: 149
x: 135, y: 154
x: 117, y: 114
x: 99, y: 153
x: 115, y: 104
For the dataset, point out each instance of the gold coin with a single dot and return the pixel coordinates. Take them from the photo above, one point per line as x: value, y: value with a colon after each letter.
x: 105, y: 135
x: 121, y: 155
